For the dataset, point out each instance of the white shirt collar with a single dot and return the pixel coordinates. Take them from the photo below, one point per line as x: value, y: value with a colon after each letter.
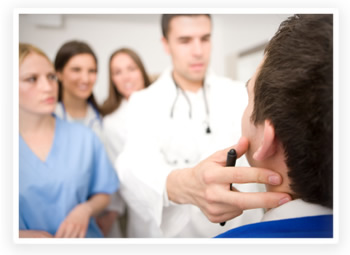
x: 294, y: 209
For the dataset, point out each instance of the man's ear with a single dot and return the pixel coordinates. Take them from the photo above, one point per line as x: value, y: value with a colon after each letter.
x: 268, y: 146
x: 165, y: 45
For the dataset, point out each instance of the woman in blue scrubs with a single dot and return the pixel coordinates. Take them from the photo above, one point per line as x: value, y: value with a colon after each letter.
x: 65, y: 177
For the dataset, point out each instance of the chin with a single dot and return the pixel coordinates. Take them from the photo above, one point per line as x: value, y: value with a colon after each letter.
x: 46, y: 111
x: 84, y: 95
x: 197, y: 77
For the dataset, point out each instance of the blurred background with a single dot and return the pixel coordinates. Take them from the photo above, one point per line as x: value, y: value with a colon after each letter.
x: 237, y: 40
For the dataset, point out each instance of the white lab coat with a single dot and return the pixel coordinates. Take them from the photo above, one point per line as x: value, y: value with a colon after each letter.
x: 114, y: 128
x: 155, y: 141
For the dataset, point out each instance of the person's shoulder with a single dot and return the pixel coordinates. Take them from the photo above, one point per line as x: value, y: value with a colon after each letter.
x: 225, y: 81
x: 111, y: 116
x: 74, y: 129
x: 117, y: 117
x: 227, y: 86
x: 157, y: 85
x: 108, y: 120
x: 59, y: 110
x: 309, y: 226
x: 153, y: 92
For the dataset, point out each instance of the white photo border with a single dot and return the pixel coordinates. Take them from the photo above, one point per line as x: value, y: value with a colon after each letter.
x: 131, y: 11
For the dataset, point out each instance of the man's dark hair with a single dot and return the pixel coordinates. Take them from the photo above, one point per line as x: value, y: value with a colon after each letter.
x: 166, y: 18
x: 294, y: 90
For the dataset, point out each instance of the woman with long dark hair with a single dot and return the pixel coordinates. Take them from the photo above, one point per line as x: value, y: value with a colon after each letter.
x: 76, y: 68
x: 127, y: 74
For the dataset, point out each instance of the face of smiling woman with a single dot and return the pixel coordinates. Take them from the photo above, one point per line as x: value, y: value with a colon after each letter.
x: 126, y: 75
x: 78, y: 76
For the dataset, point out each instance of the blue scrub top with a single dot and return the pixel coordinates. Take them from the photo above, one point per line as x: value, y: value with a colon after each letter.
x: 76, y: 168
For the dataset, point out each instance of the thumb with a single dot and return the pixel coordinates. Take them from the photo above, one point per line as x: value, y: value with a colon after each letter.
x: 241, y: 147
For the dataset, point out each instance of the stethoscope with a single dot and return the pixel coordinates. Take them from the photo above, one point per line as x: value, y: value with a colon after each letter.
x: 178, y: 90
x: 91, y: 122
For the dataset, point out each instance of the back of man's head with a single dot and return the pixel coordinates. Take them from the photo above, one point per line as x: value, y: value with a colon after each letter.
x: 294, y: 90
x: 166, y: 18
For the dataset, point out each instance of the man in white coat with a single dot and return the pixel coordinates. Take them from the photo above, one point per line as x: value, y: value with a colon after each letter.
x: 186, y: 115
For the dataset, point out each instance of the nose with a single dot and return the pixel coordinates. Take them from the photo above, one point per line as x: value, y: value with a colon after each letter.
x: 126, y: 76
x: 197, y: 48
x: 46, y: 84
x: 85, y: 76
x: 123, y: 77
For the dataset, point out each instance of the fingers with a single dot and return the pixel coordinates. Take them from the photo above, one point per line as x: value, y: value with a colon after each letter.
x: 60, y: 232
x: 255, y: 200
x: 82, y: 232
x: 46, y: 234
x: 246, y: 175
x: 221, y: 203
x: 70, y: 231
x: 226, y: 216
x: 220, y: 212
x: 75, y: 232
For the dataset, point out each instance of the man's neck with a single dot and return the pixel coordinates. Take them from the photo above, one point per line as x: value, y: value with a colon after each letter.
x: 185, y: 84
x: 278, y: 165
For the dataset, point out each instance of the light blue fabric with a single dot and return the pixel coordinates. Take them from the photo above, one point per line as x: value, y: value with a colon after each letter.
x: 76, y: 168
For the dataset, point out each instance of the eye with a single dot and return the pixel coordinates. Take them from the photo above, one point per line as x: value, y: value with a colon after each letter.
x: 52, y: 77
x: 206, y: 38
x: 31, y: 79
x: 76, y: 69
x: 92, y: 71
x: 132, y: 68
x: 116, y: 72
x: 184, y: 40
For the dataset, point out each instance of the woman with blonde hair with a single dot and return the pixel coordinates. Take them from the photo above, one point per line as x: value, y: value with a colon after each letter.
x: 65, y: 177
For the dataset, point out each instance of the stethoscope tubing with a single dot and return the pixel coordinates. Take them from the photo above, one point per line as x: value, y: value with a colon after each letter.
x: 178, y: 88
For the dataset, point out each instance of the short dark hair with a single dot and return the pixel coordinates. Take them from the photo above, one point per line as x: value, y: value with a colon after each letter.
x: 294, y: 90
x: 64, y: 54
x: 166, y: 18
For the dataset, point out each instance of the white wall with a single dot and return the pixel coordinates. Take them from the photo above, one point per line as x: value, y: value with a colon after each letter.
x: 232, y: 33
